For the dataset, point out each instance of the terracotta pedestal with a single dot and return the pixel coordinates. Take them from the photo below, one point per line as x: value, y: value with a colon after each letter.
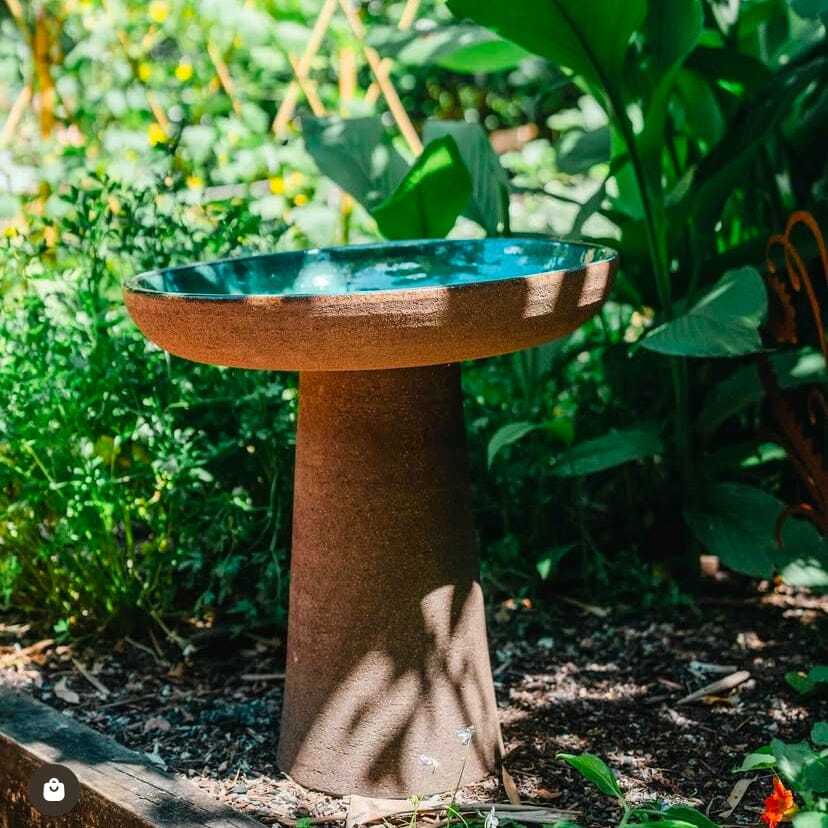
x: 387, y: 653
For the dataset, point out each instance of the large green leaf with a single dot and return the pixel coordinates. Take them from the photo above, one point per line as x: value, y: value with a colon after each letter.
x: 355, y: 153
x: 430, y: 197
x: 738, y: 523
x: 744, y: 388
x: 723, y: 169
x: 458, y: 47
x: 800, y: 766
x: 489, y: 202
x: 725, y: 322
x: 810, y: 819
x: 590, y: 37
x: 594, y: 769
x: 671, y: 30
x: 803, y: 559
x: 608, y: 451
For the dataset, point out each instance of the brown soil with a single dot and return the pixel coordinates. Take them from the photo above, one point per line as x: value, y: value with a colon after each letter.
x: 609, y: 684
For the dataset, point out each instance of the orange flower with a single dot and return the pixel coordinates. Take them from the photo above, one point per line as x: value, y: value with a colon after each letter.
x: 779, y: 806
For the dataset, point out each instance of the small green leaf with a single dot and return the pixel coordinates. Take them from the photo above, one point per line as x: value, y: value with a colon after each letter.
x: 594, y: 769
x: 430, y: 197
x: 685, y: 813
x: 724, y: 323
x: 760, y: 758
x: 608, y: 451
x: 819, y: 733
x: 506, y: 436
x: 547, y: 564
x: 807, y: 684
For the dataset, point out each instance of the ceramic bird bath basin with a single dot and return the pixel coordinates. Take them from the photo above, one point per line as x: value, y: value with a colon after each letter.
x: 387, y: 655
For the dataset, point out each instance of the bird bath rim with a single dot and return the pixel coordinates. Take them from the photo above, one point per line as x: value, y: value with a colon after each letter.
x: 549, y: 256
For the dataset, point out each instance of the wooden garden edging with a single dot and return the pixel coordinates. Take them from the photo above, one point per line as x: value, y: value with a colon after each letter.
x: 119, y: 789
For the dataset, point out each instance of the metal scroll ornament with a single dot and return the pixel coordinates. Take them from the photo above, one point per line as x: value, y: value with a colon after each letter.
x: 797, y: 281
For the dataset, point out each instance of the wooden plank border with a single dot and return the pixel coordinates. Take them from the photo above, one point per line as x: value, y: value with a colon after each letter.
x: 119, y: 788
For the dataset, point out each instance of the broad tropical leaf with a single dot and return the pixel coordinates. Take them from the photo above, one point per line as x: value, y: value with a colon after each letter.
x: 357, y: 154
x: 489, y: 202
x: 606, y: 452
x: 725, y: 322
x: 430, y: 197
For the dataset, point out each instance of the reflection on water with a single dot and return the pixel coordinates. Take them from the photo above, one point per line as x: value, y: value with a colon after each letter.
x: 365, y: 268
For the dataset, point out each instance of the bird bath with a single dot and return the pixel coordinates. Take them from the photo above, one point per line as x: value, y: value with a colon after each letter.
x: 387, y: 655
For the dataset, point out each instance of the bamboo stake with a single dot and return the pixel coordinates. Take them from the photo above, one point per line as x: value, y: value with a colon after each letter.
x: 15, y: 114
x: 385, y: 85
x: 308, y: 87
x: 288, y: 106
x: 347, y: 75
x: 406, y: 21
x: 46, y: 86
x: 156, y: 109
x: 223, y: 75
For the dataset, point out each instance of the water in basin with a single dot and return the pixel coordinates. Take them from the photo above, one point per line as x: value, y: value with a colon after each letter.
x: 361, y: 268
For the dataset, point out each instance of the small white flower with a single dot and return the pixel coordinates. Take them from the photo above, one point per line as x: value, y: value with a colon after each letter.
x: 491, y: 820
x: 428, y: 762
x: 464, y: 735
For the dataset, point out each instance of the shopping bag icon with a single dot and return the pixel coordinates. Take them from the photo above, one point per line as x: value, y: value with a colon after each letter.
x: 53, y: 790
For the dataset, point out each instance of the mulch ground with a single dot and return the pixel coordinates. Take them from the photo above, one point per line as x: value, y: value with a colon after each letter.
x: 569, y: 678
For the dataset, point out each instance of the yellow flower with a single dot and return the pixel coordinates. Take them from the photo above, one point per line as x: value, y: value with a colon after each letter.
x: 277, y: 185
x: 156, y: 135
x: 301, y: 200
x: 10, y: 232
x: 144, y: 72
x: 184, y: 71
x: 294, y: 180
x: 195, y: 182
x: 159, y: 10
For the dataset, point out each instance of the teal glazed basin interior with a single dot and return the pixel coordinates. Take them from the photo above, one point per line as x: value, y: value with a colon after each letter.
x: 372, y: 267
x: 368, y: 307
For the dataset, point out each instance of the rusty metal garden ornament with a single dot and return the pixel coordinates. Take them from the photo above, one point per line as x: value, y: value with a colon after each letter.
x: 387, y: 658
x: 795, y: 318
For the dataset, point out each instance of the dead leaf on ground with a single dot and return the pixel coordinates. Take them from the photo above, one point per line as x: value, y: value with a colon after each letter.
x: 158, y: 723
x: 736, y: 794
x: 64, y: 693
x: 510, y: 787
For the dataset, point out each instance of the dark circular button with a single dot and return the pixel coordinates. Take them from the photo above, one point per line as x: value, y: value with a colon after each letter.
x: 54, y: 790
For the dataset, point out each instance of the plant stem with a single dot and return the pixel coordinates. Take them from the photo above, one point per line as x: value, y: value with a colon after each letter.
x: 656, y: 230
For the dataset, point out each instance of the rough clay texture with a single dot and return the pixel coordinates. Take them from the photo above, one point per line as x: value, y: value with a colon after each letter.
x: 387, y: 652
x: 372, y: 330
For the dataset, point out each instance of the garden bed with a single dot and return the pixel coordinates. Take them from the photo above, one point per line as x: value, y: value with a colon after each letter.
x: 580, y: 678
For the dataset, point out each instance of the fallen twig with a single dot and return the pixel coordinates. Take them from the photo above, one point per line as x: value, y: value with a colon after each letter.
x: 726, y: 683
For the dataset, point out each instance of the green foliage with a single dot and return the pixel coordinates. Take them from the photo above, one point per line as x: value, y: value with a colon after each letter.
x: 133, y: 486
x: 594, y: 769
x: 357, y: 154
x: 609, y: 451
x: 738, y: 522
x: 428, y: 200
x: 815, y: 680
x: 725, y: 322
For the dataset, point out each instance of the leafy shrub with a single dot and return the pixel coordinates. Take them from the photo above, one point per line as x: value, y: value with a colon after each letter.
x: 133, y: 484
